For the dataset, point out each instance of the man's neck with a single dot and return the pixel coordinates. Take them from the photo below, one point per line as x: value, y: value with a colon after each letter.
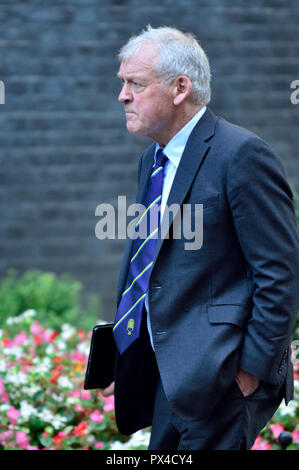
x: 184, y: 117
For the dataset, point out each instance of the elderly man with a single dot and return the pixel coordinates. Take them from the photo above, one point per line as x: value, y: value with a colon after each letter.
x: 203, y: 335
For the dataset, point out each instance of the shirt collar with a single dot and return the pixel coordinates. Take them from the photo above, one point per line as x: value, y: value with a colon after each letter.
x: 176, y: 146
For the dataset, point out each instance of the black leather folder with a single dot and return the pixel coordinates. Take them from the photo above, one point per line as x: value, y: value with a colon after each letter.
x: 101, y: 359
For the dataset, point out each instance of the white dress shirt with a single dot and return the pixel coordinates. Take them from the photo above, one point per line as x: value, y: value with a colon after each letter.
x: 174, y: 151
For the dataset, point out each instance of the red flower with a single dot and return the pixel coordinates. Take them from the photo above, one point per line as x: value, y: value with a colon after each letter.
x: 81, y: 333
x: 80, y: 429
x: 57, y: 439
x: 27, y: 362
x: 53, y: 336
x: 55, y: 374
x: 37, y: 340
x: 6, y: 342
x: 58, y: 359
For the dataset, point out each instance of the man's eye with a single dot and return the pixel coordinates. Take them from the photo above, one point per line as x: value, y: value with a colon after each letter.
x: 137, y: 85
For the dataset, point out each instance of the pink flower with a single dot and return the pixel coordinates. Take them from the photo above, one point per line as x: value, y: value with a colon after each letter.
x: 109, y: 403
x: 5, y: 436
x: 22, y: 439
x: 276, y: 429
x: 256, y: 443
x: 13, y: 415
x: 96, y: 416
x: 85, y: 395
x: 78, y: 357
x: 3, y: 394
x: 19, y: 339
x: 99, y: 445
x: 2, y: 390
x: 108, y: 407
x: 265, y: 446
x: 261, y: 445
x: 78, y: 408
x: 35, y: 328
x: 295, y: 435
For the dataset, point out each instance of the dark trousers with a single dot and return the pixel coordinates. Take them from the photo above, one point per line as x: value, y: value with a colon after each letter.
x: 234, y: 423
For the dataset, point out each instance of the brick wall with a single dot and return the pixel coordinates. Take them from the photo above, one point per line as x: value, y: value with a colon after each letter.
x: 64, y: 148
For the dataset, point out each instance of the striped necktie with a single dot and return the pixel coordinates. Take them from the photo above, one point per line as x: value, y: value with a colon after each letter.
x: 129, y: 314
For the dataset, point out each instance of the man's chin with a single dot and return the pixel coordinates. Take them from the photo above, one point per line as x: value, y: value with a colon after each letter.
x: 136, y: 130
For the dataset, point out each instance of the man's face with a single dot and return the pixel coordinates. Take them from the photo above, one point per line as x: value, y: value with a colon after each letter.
x: 147, y: 101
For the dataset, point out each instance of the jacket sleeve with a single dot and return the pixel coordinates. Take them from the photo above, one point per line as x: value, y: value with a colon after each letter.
x: 262, y: 209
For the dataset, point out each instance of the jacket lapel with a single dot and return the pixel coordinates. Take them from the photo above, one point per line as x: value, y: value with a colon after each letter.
x: 147, y: 165
x: 191, y: 160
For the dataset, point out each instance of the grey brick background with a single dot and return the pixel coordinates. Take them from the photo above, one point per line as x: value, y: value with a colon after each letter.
x: 64, y: 147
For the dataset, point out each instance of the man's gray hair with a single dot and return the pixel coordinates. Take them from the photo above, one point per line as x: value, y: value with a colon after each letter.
x: 178, y: 54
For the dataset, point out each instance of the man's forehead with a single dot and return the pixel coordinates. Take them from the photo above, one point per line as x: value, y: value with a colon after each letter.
x: 139, y: 63
x: 135, y: 68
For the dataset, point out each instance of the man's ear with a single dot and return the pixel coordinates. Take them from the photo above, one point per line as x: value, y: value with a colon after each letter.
x: 182, y: 89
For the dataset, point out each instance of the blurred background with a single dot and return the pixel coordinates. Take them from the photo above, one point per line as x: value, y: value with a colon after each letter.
x: 64, y: 148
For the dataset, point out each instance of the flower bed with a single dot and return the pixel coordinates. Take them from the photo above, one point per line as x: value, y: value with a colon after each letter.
x: 43, y: 404
x: 42, y: 401
x: 285, y: 419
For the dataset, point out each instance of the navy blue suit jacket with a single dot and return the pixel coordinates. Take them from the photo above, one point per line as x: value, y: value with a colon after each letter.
x: 232, y: 303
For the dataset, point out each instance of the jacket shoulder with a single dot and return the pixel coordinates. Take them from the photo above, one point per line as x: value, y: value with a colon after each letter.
x: 241, y: 144
x: 234, y: 133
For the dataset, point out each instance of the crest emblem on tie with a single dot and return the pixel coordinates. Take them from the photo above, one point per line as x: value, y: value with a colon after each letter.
x: 130, y: 326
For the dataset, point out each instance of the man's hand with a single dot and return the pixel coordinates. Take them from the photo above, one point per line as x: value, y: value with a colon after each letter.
x: 108, y: 390
x: 247, y: 383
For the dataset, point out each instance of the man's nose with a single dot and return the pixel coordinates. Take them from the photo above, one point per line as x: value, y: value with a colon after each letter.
x: 125, y: 94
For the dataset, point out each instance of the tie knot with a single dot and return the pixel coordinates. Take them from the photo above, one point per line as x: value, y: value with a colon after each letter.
x: 161, y: 158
